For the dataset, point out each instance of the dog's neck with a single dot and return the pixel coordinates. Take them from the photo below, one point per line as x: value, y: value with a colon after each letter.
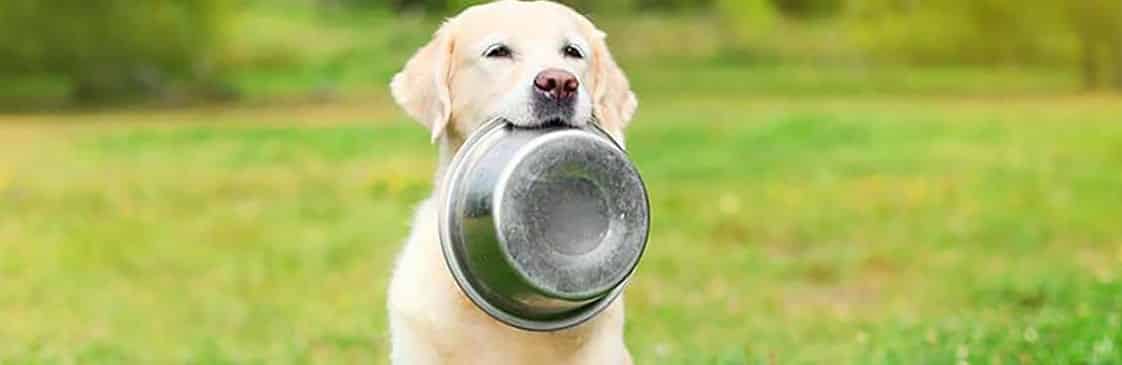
x: 449, y: 143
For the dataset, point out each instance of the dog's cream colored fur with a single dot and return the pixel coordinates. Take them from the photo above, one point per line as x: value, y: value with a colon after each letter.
x: 451, y: 88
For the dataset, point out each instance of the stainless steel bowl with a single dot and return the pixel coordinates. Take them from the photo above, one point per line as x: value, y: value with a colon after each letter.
x: 542, y: 228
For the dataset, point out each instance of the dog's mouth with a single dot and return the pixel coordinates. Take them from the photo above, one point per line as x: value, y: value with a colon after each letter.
x: 547, y: 123
x: 541, y: 111
x: 552, y: 111
x: 554, y: 123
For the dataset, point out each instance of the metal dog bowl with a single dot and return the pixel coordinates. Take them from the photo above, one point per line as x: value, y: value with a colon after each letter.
x: 541, y: 228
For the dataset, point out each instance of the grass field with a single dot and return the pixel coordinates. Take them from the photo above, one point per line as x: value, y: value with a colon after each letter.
x: 790, y: 228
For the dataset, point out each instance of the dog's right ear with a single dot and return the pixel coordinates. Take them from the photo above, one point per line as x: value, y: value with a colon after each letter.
x: 421, y: 88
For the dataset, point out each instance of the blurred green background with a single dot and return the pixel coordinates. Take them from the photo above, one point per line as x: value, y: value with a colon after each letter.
x: 833, y: 181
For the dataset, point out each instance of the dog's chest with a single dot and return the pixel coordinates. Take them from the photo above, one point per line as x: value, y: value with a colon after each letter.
x: 426, y: 297
x: 459, y: 333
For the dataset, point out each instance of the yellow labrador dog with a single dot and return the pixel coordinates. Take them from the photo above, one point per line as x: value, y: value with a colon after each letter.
x: 530, y: 63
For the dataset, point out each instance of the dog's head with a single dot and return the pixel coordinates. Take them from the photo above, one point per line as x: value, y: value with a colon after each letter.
x: 531, y: 63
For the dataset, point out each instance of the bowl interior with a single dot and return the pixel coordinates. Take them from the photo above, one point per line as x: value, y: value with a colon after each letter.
x: 571, y: 214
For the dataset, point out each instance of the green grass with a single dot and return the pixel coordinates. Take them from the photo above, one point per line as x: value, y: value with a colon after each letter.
x: 871, y: 229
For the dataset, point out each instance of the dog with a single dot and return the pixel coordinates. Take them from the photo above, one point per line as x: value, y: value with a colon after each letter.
x: 531, y: 63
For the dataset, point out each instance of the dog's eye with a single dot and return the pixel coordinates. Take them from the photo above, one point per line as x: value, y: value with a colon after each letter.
x: 497, y: 51
x: 572, y: 51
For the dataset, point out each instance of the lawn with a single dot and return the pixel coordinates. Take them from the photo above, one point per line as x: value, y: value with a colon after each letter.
x: 824, y: 227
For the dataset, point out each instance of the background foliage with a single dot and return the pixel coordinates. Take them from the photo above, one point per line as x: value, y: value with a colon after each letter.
x: 110, y: 48
x: 107, y: 49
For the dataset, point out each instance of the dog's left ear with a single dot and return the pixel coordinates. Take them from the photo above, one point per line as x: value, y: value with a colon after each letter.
x: 421, y: 88
x: 613, y: 102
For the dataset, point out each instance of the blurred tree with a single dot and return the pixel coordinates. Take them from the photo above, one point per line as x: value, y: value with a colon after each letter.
x: 746, y: 19
x: 418, y: 5
x: 805, y: 9
x: 672, y: 5
x: 114, y: 48
x: 961, y: 31
x: 1098, y: 27
x: 1008, y: 31
x: 584, y: 6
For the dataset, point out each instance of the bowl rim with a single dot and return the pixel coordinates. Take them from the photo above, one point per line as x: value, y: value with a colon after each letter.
x: 465, y: 281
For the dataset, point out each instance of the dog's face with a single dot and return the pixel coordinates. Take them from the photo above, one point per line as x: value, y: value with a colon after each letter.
x: 531, y: 63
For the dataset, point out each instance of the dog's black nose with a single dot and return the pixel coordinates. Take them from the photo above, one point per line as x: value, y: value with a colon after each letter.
x: 558, y: 84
